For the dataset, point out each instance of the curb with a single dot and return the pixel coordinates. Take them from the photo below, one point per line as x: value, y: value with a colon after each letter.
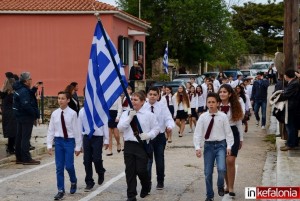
x: 34, y: 153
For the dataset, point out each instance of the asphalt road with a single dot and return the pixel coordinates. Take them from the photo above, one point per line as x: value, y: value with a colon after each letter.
x: 184, y: 179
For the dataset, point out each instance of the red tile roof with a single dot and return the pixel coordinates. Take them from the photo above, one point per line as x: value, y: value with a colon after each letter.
x: 54, y: 5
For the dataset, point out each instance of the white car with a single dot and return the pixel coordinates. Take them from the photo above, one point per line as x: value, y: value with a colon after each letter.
x: 261, y: 66
x: 249, y: 73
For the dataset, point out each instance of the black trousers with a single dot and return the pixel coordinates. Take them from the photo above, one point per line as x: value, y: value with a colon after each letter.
x: 92, y: 152
x: 23, y: 141
x: 136, y: 161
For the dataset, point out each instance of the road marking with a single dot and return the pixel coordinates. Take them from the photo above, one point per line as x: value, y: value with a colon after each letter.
x: 102, y: 188
x: 25, y: 172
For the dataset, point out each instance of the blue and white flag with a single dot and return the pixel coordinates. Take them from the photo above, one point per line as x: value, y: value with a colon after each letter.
x: 103, y: 85
x: 165, y: 61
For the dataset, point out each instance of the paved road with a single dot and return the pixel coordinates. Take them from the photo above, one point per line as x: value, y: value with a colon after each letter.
x: 184, y: 174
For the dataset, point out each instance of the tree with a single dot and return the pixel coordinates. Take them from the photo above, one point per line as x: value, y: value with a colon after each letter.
x: 195, y: 29
x: 261, y: 25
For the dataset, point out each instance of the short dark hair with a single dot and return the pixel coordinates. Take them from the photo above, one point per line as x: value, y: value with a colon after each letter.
x: 153, y: 89
x: 214, y: 95
x: 290, y: 73
x: 68, y: 95
x: 260, y: 73
x: 139, y: 94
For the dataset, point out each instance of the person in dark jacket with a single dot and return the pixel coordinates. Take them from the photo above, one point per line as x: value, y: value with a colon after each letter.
x: 291, y: 95
x: 259, y: 96
x: 26, y: 111
x: 9, y: 122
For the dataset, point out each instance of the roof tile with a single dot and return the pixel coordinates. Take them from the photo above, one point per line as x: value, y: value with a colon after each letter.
x: 54, y: 5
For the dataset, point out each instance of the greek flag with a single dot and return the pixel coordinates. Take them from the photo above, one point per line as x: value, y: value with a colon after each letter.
x: 103, y: 85
x: 165, y: 61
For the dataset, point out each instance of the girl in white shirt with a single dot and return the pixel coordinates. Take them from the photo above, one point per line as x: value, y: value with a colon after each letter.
x: 115, y: 113
x: 201, y: 100
x: 193, y: 96
x: 182, y: 108
x: 232, y: 106
x: 170, y: 104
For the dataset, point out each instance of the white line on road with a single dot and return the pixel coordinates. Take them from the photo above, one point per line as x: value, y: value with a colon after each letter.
x: 25, y: 172
x: 102, y: 188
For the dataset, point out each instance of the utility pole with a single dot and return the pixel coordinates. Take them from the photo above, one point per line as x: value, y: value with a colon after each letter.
x: 291, y: 34
x: 139, y: 9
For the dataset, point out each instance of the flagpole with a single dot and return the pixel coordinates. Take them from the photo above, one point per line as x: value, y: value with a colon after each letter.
x: 116, y: 66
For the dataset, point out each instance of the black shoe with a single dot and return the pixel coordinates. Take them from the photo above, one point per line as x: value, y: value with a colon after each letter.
x: 160, y: 186
x: 144, y: 193
x: 73, y: 188
x: 32, y: 162
x: 231, y: 194
x: 59, y: 195
x: 31, y: 148
x: 221, y: 191
x: 209, y: 199
x: 88, y: 188
x: 100, y: 178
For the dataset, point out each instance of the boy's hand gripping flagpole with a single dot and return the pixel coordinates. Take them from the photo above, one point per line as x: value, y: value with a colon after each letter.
x: 116, y: 68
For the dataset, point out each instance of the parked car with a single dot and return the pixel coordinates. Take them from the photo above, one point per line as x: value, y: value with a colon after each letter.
x: 174, y: 84
x: 261, y: 66
x: 233, y: 73
x: 186, y: 78
x: 249, y: 73
x: 209, y: 74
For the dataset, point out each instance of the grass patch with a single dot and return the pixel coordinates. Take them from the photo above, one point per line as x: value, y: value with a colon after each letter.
x: 270, y: 138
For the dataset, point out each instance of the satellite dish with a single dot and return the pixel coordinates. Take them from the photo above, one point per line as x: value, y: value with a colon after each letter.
x: 279, y: 61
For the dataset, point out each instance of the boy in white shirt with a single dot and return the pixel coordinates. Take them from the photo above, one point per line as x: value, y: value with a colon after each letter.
x: 214, y: 126
x: 64, y: 130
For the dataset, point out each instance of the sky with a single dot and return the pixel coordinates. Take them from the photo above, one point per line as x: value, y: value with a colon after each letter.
x: 112, y: 2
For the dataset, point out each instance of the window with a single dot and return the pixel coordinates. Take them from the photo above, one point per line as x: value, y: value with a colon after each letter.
x: 139, y: 49
x: 123, y: 49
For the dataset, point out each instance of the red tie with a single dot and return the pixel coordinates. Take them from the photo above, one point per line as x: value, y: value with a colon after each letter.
x: 225, y: 109
x: 63, y: 124
x: 152, y: 109
x: 167, y: 97
x: 211, y: 123
x: 125, y: 103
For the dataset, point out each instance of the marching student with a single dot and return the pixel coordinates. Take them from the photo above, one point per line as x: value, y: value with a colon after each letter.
x: 201, y: 100
x: 135, y: 155
x: 64, y: 131
x: 165, y: 120
x: 124, y: 99
x: 193, y: 96
x: 170, y: 104
x: 182, y: 108
x: 214, y: 126
x: 115, y: 113
x: 92, y: 150
x: 234, y: 108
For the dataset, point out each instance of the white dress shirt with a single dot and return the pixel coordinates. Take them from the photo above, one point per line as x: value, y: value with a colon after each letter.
x: 55, y: 127
x: 221, y: 129
x: 163, y: 115
x: 118, y: 107
x: 85, y: 128
x: 147, y: 121
x: 201, y: 101
x: 239, y: 123
x: 171, y: 101
x: 194, y: 101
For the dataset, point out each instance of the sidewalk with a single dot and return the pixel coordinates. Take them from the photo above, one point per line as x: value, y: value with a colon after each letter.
x: 38, y: 140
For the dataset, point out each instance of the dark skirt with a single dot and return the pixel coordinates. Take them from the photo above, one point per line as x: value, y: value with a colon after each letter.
x: 200, y: 109
x: 171, y: 108
x: 194, y: 113
x: 112, y: 121
x: 181, y: 114
x: 236, y: 145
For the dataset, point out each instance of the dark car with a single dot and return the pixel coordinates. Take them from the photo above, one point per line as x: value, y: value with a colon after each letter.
x: 173, y: 84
